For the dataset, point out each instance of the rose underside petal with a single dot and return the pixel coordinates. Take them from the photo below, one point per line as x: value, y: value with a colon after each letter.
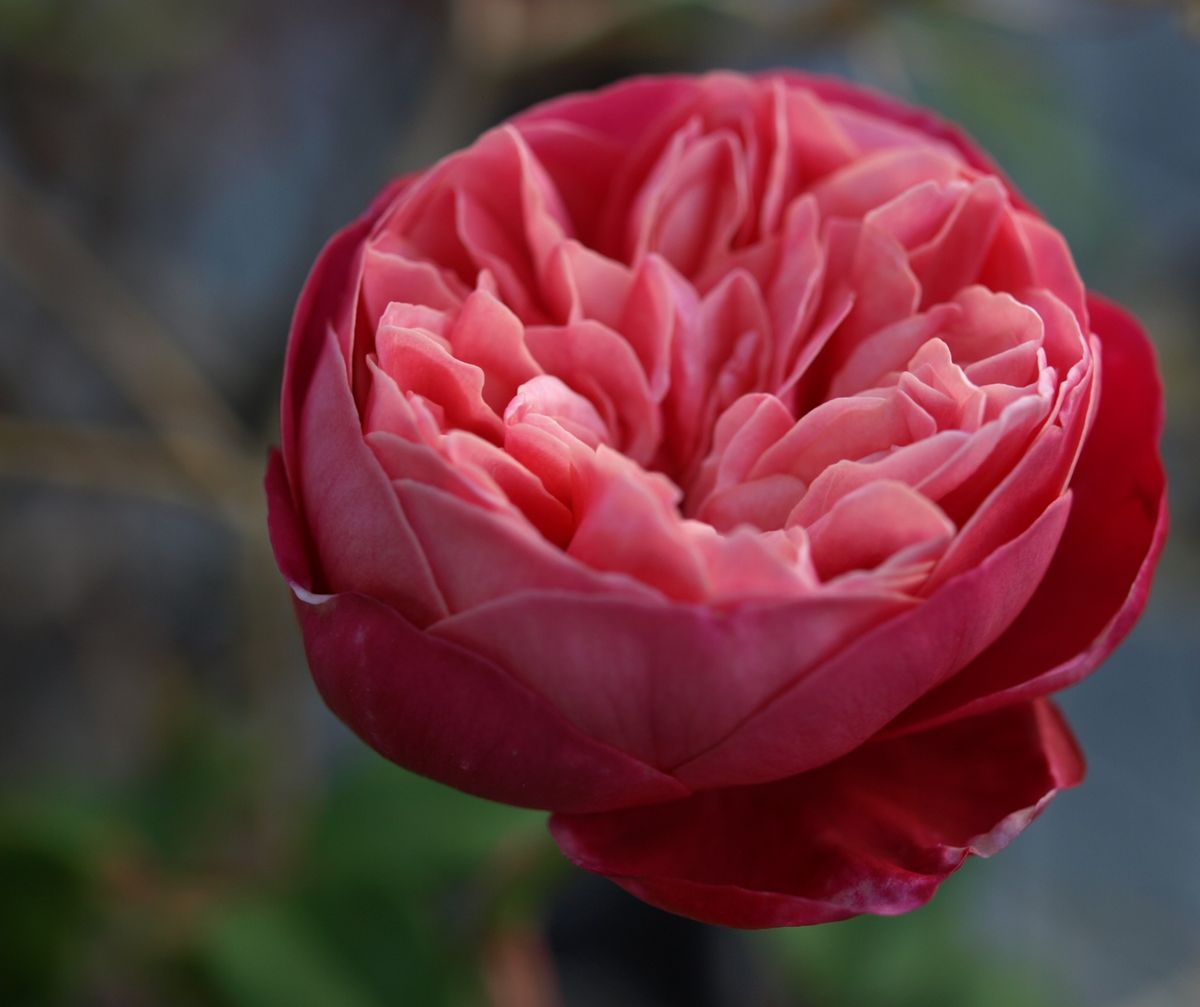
x: 877, y: 831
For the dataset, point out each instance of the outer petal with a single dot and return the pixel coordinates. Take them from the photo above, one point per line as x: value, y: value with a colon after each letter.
x: 663, y: 680
x: 876, y: 832
x: 1100, y: 578
x: 442, y: 711
x: 359, y: 535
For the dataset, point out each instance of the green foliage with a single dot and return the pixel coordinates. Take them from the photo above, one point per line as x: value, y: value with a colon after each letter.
x: 259, y: 953
x: 383, y: 890
x: 195, y: 793
x: 48, y: 894
x: 403, y: 876
x: 924, y: 959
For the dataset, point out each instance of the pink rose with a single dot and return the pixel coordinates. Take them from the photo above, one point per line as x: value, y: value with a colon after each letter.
x: 732, y: 466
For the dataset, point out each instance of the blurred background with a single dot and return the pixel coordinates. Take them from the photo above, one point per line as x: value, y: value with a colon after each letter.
x: 181, y: 821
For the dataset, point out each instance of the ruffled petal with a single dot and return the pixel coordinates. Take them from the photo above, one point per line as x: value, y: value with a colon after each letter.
x: 1099, y: 579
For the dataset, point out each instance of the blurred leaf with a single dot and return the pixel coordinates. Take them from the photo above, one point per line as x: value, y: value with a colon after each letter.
x: 48, y: 894
x: 194, y: 789
x: 400, y: 830
x: 259, y: 955
x: 403, y: 875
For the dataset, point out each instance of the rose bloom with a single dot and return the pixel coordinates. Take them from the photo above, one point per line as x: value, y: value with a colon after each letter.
x: 732, y: 466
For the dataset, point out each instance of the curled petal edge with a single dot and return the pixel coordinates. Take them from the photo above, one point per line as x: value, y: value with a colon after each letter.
x: 876, y: 832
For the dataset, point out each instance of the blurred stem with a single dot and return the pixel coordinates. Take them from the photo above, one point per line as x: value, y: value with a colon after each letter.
x: 518, y: 969
x: 72, y: 283
x: 116, y: 461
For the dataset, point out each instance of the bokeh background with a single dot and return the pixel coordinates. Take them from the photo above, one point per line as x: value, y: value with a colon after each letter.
x: 181, y: 821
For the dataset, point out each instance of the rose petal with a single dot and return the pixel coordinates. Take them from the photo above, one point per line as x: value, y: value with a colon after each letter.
x: 477, y: 555
x: 488, y: 335
x: 876, y: 832
x: 837, y: 704
x: 663, y: 680
x: 444, y: 712
x: 1099, y: 580
x: 869, y: 525
x: 362, y: 539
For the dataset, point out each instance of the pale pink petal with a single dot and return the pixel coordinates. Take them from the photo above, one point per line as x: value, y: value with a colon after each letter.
x: 628, y: 522
x: 881, y: 356
x: 744, y: 565
x: 421, y: 363
x: 873, y: 523
x: 520, y: 487
x: 700, y: 207
x: 953, y: 258
x: 848, y: 428
x: 875, y: 180
x: 873, y: 266
x: 742, y: 433
x: 477, y: 555
x: 764, y: 503
x: 915, y: 215
x: 389, y: 276
x: 598, y: 363
x: 488, y: 335
x: 548, y: 396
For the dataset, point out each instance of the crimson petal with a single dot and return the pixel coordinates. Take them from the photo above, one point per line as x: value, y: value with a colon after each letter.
x: 875, y: 832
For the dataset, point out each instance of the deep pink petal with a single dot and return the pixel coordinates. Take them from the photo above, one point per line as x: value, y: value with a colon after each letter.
x: 661, y: 680
x: 876, y: 832
x: 329, y: 300
x: 399, y: 688
x: 362, y: 539
x: 288, y: 541
x: 444, y: 712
